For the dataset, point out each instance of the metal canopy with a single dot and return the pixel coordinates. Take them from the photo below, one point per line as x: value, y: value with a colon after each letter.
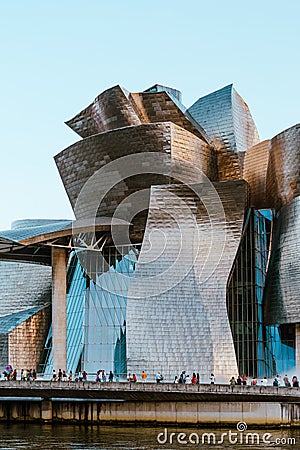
x: 34, y: 244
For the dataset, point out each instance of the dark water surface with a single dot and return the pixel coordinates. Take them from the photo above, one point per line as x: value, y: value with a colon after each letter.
x: 60, y: 437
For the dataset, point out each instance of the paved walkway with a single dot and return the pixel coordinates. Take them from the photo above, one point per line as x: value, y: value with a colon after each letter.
x: 147, y: 392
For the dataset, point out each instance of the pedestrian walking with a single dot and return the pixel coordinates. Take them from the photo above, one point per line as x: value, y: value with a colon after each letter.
x: 286, y: 381
x: 232, y: 381
x: 144, y: 376
x: 158, y: 377
x: 84, y: 375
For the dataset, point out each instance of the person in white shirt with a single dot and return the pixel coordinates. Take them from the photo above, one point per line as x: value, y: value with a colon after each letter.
x: 264, y: 381
x: 188, y: 380
x: 159, y: 377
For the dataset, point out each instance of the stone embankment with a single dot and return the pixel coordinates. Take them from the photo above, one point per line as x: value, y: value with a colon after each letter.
x: 151, y: 403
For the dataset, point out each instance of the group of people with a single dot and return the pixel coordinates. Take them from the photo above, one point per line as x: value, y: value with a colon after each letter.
x: 186, y: 379
x: 286, y: 381
x: 11, y: 374
x: 62, y: 375
x: 102, y: 377
x: 245, y: 381
x: 30, y: 375
x: 132, y: 378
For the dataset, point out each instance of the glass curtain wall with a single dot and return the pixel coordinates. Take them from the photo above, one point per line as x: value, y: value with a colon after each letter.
x: 105, y: 311
x: 261, y: 350
x: 281, y: 348
x: 244, y: 297
x: 96, y: 311
x: 76, y: 287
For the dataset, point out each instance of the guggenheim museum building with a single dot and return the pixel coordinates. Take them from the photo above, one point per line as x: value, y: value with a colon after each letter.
x: 183, y: 253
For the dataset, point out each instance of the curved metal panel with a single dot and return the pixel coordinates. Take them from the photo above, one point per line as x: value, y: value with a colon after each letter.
x: 80, y: 161
x: 283, y: 178
x: 110, y: 110
x: 182, y: 322
x: 23, y: 286
x: 160, y: 107
x: 174, y: 93
x: 77, y: 163
x: 228, y: 122
x: 192, y: 153
x: 33, y: 223
x: 245, y: 131
x: 255, y: 173
x: 116, y: 108
x: 282, y: 295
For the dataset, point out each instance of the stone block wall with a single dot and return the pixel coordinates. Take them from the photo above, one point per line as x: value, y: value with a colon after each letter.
x: 26, y: 341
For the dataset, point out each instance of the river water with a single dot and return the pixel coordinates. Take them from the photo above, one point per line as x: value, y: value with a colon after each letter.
x: 75, y: 437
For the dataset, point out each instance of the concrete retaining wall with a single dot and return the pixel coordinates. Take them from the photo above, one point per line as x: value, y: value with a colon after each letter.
x: 149, y: 403
x: 214, y: 414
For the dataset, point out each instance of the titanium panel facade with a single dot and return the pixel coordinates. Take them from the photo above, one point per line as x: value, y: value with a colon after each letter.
x: 117, y: 108
x: 174, y: 93
x: 185, y: 326
x: 283, y: 178
x: 23, y: 286
x: 21, y: 232
x: 160, y: 107
x: 282, y: 296
x: 110, y: 110
x: 255, y: 168
x: 80, y: 161
x: 228, y: 122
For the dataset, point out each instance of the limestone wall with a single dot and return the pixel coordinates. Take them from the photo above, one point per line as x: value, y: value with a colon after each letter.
x: 26, y: 341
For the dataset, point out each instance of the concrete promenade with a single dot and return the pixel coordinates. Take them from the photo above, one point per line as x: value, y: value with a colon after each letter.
x: 146, y: 392
x: 140, y: 403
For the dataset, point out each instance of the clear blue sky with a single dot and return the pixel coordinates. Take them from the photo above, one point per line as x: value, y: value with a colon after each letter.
x: 58, y: 55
